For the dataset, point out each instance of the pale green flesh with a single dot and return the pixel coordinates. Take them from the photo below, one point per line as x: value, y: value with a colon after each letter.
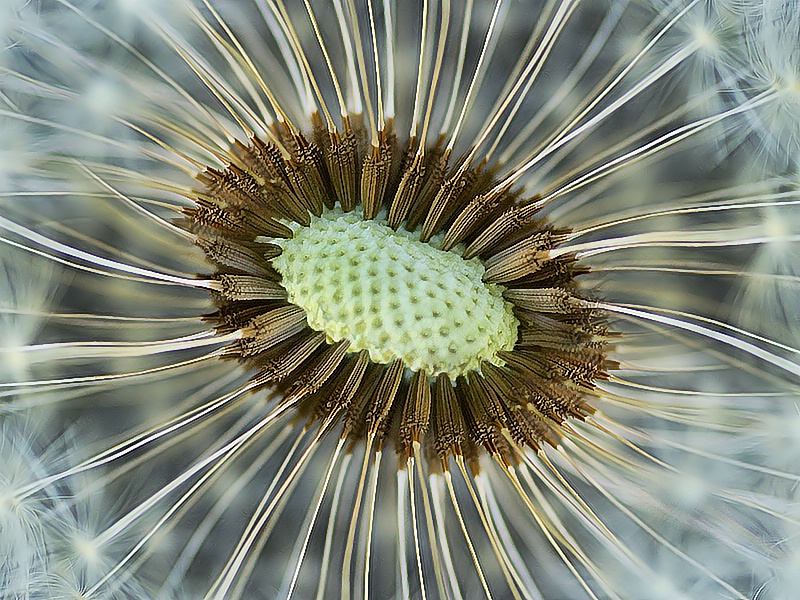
x: 396, y: 297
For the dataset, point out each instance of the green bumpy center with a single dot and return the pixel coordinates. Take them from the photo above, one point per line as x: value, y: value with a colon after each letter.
x: 396, y: 297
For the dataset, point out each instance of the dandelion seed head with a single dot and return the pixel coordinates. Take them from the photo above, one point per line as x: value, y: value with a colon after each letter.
x: 50, y: 545
x: 767, y: 63
x: 86, y: 549
x: 404, y: 269
x: 23, y: 544
x: 707, y: 38
x: 245, y: 427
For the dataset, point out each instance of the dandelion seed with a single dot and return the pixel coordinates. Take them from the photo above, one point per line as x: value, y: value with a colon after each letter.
x: 355, y: 299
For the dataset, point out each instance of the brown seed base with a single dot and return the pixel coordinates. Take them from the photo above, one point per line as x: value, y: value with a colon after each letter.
x: 562, y: 338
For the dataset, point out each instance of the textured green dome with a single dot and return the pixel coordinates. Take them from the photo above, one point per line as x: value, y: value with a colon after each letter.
x: 397, y: 297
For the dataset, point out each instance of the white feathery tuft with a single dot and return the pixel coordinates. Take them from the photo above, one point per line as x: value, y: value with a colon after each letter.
x: 772, y: 64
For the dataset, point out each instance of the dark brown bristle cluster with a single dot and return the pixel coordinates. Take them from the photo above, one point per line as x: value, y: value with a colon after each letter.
x: 517, y: 400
